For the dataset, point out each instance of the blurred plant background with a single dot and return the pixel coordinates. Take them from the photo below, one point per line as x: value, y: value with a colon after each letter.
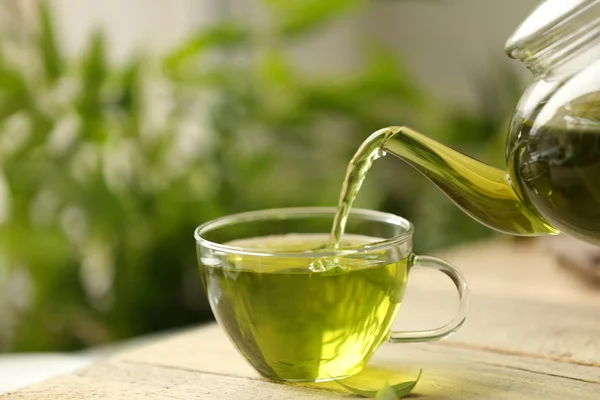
x: 106, y: 168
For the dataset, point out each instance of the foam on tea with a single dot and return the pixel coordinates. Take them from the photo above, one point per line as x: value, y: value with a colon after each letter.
x: 318, y: 317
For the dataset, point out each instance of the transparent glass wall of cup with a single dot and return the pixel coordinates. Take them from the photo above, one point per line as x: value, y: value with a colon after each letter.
x: 299, y: 315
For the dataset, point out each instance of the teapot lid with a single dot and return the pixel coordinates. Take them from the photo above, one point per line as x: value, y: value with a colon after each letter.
x: 554, y: 26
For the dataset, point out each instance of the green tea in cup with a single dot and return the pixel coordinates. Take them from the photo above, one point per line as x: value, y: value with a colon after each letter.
x: 300, y: 311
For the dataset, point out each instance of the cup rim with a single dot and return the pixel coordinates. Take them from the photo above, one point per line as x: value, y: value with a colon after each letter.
x: 286, y: 212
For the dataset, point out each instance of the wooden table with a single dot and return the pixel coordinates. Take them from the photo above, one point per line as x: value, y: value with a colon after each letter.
x: 533, y: 332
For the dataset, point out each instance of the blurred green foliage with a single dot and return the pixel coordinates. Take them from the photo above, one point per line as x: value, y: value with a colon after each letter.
x: 105, y: 170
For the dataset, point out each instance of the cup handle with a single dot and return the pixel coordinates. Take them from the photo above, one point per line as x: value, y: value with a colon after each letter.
x: 463, y: 303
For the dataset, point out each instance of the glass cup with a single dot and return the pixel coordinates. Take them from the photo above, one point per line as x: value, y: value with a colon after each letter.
x: 311, y: 316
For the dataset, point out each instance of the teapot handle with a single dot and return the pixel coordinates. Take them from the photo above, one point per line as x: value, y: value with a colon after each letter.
x: 463, y: 304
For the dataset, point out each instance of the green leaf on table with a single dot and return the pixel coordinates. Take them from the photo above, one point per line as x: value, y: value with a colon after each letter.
x: 403, y: 389
x: 386, y: 393
x: 399, y: 390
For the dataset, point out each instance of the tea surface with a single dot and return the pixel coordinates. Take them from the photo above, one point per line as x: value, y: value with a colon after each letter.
x: 292, y: 318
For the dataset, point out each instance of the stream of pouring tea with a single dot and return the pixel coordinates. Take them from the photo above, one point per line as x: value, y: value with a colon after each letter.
x: 370, y: 150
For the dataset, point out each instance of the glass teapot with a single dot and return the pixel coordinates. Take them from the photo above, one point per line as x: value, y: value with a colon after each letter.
x: 553, y: 148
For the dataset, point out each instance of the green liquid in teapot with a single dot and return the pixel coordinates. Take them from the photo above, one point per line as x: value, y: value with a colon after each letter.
x: 558, y: 171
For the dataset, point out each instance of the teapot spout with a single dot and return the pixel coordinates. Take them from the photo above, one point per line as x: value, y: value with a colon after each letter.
x: 483, y: 192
